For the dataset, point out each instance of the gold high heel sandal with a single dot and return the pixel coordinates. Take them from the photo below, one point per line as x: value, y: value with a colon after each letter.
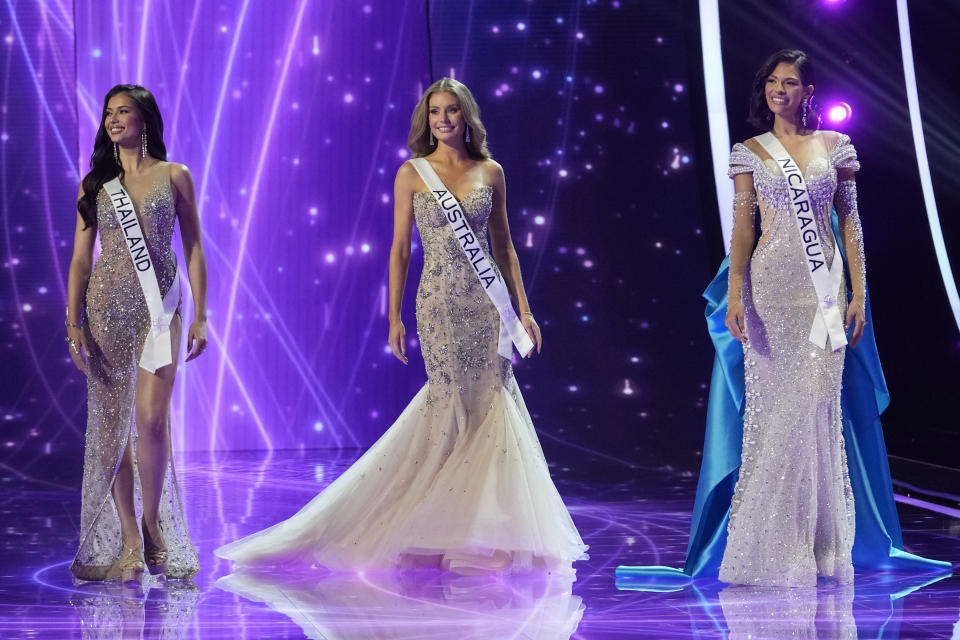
x: 129, y: 566
x: 156, y: 554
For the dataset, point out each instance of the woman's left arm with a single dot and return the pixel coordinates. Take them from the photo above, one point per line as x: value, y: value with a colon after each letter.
x: 186, y: 203
x: 851, y: 234
x: 505, y: 255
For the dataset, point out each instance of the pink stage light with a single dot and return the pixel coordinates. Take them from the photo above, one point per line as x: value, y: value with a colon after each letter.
x: 839, y: 113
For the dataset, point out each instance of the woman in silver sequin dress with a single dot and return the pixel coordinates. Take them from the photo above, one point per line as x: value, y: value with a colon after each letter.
x: 459, y: 481
x: 128, y: 466
x: 792, y: 515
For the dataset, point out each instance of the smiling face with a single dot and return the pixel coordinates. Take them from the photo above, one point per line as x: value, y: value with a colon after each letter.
x: 122, y: 120
x: 784, y: 90
x: 445, y: 117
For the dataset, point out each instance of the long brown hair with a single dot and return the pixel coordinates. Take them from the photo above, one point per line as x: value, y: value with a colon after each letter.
x: 103, y: 166
x: 419, y: 139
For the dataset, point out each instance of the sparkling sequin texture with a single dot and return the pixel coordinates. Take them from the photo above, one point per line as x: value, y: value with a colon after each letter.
x: 852, y: 232
x: 459, y: 479
x: 745, y: 205
x: 792, y: 514
x: 456, y: 321
x: 117, y: 321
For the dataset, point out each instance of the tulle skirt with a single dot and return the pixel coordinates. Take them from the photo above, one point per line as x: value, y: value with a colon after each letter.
x: 442, y: 487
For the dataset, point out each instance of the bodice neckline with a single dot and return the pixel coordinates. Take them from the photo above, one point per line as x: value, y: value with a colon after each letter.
x: 762, y: 162
x: 465, y: 198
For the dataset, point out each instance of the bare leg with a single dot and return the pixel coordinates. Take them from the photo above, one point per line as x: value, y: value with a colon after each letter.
x: 122, y: 491
x: 153, y: 427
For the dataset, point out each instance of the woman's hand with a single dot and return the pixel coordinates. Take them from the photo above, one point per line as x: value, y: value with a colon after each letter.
x: 397, y: 338
x: 856, y: 317
x: 530, y: 324
x: 196, y: 339
x: 77, y: 346
x: 734, y: 320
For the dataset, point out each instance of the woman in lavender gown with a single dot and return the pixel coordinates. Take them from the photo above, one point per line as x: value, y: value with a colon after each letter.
x: 792, y: 515
x: 459, y: 481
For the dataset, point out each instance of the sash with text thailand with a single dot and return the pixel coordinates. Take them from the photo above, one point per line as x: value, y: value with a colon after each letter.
x: 157, y: 349
x: 511, y: 330
x: 826, y: 280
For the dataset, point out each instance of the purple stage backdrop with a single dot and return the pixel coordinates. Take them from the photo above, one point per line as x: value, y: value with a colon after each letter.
x: 293, y: 118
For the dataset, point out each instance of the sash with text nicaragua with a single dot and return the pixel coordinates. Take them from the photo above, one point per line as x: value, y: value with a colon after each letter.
x: 826, y: 280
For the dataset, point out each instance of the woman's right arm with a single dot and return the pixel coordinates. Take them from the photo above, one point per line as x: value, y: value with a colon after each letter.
x: 80, y: 265
x: 741, y: 246
x: 403, y: 188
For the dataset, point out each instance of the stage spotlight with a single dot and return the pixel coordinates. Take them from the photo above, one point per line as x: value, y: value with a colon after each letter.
x: 839, y: 112
x: 833, y: 2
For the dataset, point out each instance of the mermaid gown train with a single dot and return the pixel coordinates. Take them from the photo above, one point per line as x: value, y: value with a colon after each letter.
x: 459, y: 480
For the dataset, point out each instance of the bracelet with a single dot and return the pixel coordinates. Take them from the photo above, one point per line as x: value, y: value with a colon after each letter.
x: 71, y: 324
x: 526, y: 313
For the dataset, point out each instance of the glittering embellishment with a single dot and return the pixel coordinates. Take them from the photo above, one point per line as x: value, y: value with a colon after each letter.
x: 457, y: 324
x: 117, y: 322
x: 459, y: 479
x: 745, y: 204
x: 744, y: 215
x: 792, y: 513
x: 852, y: 233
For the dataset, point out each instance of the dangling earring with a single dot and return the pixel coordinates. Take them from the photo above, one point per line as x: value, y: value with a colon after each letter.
x: 466, y: 138
x: 143, y: 143
x: 803, y: 108
x: 432, y: 141
x: 116, y: 154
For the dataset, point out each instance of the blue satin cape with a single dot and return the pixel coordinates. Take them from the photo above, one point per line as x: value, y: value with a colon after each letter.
x: 878, y: 543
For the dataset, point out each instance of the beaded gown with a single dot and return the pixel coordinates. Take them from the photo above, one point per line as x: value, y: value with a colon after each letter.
x: 117, y: 323
x: 792, y: 514
x: 459, y: 481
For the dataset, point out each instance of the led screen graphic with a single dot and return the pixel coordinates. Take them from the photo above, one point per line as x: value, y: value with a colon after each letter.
x: 293, y: 118
x: 293, y: 123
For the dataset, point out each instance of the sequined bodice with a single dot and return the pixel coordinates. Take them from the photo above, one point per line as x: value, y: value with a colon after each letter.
x: 457, y: 324
x: 776, y: 216
x: 439, y: 245
x: 114, y: 286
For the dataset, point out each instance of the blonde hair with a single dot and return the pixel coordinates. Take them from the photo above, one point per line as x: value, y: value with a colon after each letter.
x: 419, y: 139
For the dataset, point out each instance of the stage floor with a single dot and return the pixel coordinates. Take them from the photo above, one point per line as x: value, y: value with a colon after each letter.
x: 633, y: 516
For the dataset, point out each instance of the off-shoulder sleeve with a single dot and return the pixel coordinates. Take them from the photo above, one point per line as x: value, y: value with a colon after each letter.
x: 741, y: 160
x: 843, y: 155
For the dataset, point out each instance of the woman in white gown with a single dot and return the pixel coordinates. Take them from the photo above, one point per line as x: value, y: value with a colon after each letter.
x: 459, y: 481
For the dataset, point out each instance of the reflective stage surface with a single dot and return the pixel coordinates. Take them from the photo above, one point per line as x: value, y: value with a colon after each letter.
x: 633, y: 516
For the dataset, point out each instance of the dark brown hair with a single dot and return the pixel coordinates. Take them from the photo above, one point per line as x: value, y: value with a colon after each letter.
x: 103, y: 166
x: 760, y: 115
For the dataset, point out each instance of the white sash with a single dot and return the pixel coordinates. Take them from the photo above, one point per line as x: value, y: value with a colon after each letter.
x: 157, y: 349
x: 511, y: 330
x: 826, y: 281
